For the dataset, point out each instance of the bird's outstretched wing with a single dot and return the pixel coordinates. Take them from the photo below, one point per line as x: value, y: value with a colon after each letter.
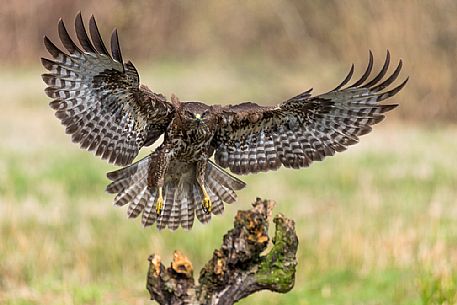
x: 303, y: 129
x: 98, y: 97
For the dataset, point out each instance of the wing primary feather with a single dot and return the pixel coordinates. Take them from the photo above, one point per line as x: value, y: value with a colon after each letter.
x: 367, y: 72
x: 302, y: 96
x: 67, y: 42
x: 387, y: 108
x: 81, y: 33
x: 392, y: 92
x: 346, y: 80
x: 48, y: 64
x: 389, y: 80
x: 51, y: 47
x: 381, y: 73
x: 49, y: 79
x: 115, y: 47
x: 96, y: 37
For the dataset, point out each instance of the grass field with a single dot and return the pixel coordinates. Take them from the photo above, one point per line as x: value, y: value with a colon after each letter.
x: 376, y: 224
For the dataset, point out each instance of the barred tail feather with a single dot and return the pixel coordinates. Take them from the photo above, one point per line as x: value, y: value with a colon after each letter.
x: 187, y: 206
x: 175, y: 215
x: 169, y: 192
x: 182, y: 197
x: 197, y: 202
x: 223, y: 181
x: 138, y: 203
x: 129, y: 183
x: 218, y: 205
x: 149, y: 213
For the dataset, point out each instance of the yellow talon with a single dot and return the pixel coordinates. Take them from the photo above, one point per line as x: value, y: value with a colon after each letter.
x: 159, y: 202
x: 206, y: 203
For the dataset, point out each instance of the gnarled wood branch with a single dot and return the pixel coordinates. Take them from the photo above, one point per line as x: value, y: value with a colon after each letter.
x: 237, y: 269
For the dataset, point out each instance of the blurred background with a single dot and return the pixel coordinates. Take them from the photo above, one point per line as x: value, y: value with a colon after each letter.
x: 377, y: 224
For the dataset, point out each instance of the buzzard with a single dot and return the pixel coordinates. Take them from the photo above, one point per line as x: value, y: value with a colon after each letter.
x: 98, y: 98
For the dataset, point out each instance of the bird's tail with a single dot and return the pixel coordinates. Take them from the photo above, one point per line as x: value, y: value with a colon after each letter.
x: 182, y: 196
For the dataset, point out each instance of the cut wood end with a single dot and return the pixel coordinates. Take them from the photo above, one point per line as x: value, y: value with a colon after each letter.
x: 181, y: 264
x: 155, y: 261
x: 264, y: 207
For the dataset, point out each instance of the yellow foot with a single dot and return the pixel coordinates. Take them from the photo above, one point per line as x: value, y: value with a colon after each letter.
x: 207, y: 204
x: 159, y: 203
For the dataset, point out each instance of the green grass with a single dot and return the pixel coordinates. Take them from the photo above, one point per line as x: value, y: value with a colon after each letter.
x: 376, y: 224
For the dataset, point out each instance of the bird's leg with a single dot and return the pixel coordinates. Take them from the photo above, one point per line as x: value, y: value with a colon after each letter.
x: 207, y: 205
x: 159, y: 202
x: 156, y: 178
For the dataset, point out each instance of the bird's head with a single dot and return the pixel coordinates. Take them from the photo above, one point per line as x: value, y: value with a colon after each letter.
x: 193, y: 114
x: 195, y: 118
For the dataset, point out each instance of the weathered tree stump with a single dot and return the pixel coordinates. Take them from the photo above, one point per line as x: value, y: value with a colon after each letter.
x: 237, y: 269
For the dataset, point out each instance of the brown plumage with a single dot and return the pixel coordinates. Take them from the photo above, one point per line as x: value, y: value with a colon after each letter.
x: 99, y: 99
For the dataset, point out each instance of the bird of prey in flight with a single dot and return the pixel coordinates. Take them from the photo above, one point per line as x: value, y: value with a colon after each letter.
x: 100, y: 101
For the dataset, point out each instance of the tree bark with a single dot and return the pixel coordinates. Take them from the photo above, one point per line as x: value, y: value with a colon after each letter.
x: 237, y: 269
